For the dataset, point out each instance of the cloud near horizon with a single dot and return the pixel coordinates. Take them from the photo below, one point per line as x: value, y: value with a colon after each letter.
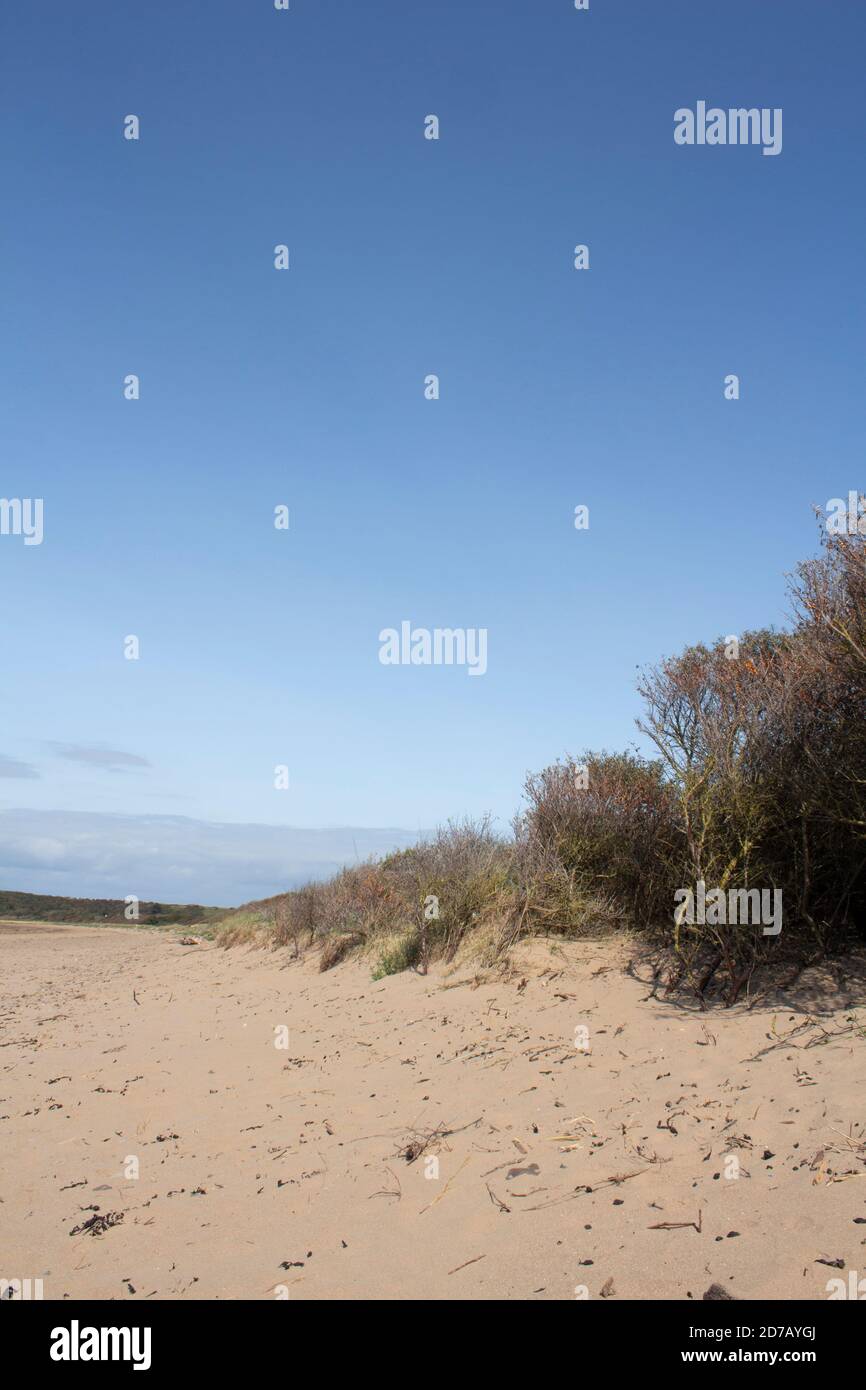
x: 174, y: 858
x: 95, y: 755
x: 12, y: 767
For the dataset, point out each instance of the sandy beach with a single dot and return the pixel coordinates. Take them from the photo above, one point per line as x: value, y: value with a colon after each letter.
x: 436, y: 1137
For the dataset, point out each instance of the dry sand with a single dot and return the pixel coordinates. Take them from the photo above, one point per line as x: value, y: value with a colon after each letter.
x: 262, y: 1167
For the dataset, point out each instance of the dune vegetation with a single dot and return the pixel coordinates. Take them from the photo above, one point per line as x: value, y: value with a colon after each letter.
x: 756, y: 781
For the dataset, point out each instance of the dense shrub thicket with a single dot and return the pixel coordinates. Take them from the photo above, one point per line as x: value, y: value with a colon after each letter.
x: 758, y: 782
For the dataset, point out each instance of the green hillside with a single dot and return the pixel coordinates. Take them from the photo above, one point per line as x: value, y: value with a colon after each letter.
x: 40, y: 907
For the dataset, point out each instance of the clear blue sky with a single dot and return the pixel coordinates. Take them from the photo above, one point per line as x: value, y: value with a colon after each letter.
x: 408, y: 257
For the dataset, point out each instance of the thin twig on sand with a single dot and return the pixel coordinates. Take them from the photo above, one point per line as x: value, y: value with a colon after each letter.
x: 677, y: 1225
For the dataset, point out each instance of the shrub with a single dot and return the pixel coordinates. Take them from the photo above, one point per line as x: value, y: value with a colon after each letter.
x: 758, y: 781
x: 612, y: 823
x: 402, y: 953
x: 446, y: 884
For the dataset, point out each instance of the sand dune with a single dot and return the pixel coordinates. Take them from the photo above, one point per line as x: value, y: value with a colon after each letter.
x: 434, y: 1137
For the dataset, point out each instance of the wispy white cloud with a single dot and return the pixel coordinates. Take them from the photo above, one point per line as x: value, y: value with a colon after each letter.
x: 12, y: 767
x: 174, y: 858
x: 95, y: 755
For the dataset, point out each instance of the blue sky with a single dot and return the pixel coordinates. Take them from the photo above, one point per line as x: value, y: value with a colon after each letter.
x: 408, y: 256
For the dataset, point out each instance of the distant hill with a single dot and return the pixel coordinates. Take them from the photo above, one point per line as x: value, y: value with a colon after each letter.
x: 39, y: 907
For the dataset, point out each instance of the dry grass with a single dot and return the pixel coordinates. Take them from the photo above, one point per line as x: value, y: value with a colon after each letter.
x: 336, y: 948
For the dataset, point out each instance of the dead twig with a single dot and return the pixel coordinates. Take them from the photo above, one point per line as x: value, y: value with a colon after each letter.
x: 495, y: 1199
x: 677, y: 1225
x: 386, y: 1192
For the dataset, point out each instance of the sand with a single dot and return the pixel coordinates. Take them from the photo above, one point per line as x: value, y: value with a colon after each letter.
x: 419, y: 1137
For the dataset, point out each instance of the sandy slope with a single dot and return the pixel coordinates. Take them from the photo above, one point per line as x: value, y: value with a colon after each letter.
x: 261, y: 1166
